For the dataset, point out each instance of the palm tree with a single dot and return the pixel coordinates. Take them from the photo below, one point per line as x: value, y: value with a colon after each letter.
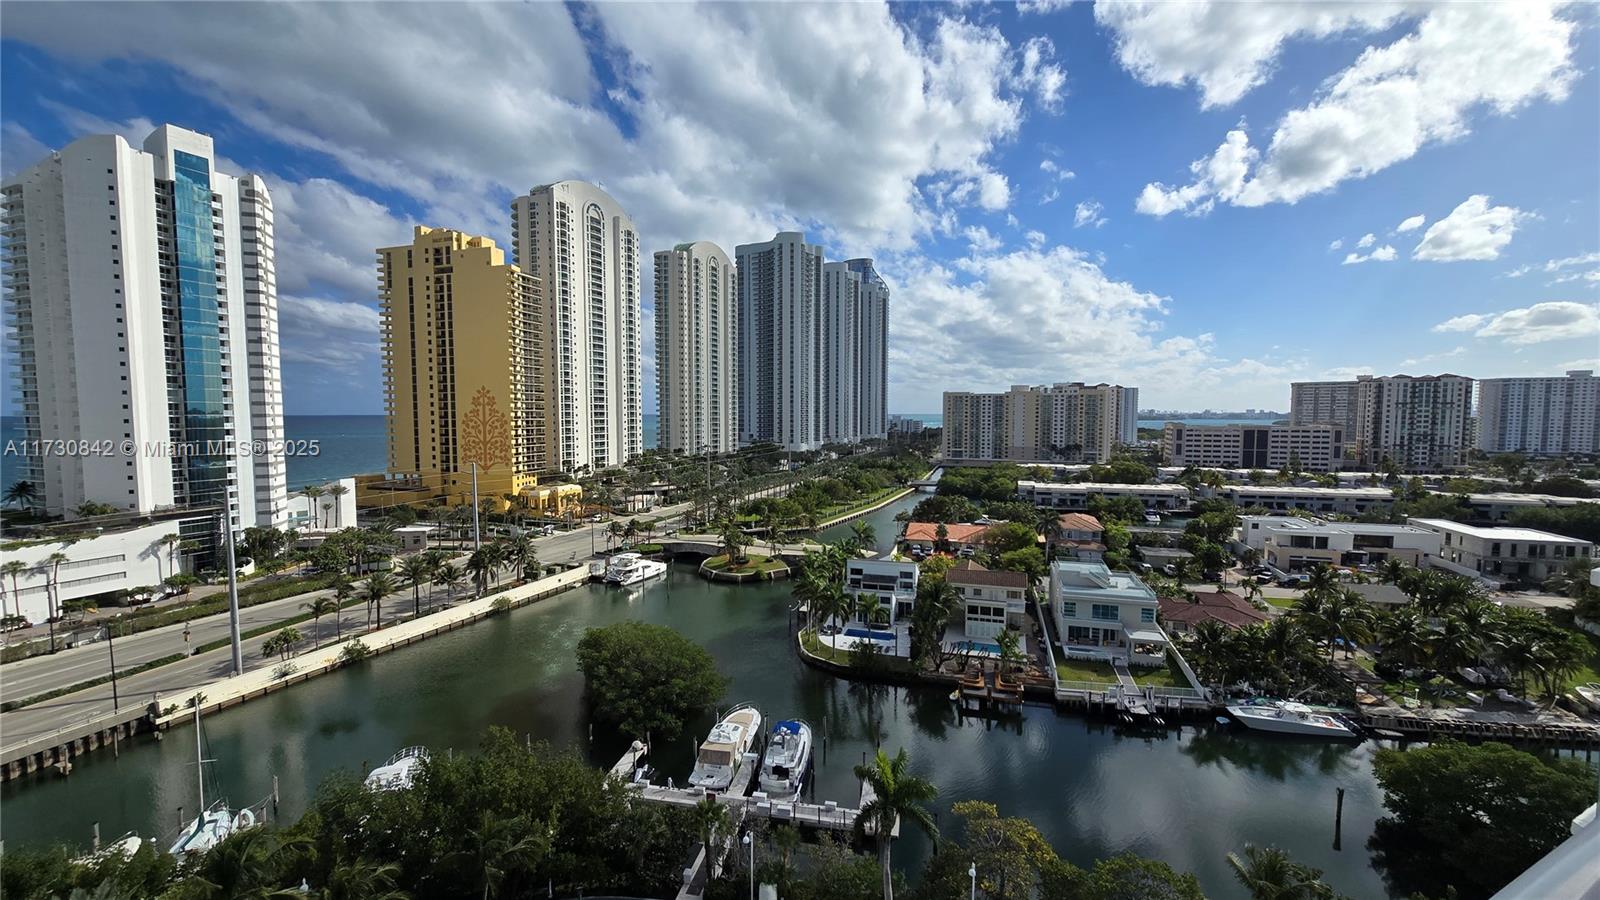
x: 865, y: 535
x: 13, y: 569
x: 337, y: 490
x: 870, y: 608
x: 1392, y: 570
x: 312, y: 492
x: 520, y: 553
x: 364, y: 879
x: 53, y: 590
x: 1322, y: 582
x: 733, y: 540
x: 710, y: 819
x: 449, y: 576
x: 1210, y: 646
x: 379, y: 586
x: 319, y: 607
x: 343, y: 590
x: 1343, y: 615
x: 498, y: 847
x: 243, y: 864
x: 897, y: 794
x: 22, y: 493
x: 415, y: 569
x: 166, y: 545
x: 1404, y: 635
x: 1270, y: 874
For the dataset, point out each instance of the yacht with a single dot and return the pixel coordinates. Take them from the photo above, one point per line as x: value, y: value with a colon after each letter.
x: 1288, y: 717
x: 399, y: 772
x: 722, y: 754
x: 783, y: 771
x: 214, y: 822
x: 631, y: 568
x: 1590, y: 694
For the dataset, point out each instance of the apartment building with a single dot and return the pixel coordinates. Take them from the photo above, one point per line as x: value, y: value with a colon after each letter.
x: 124, y: 555
x: 463, y: 366
x: 1504, y: 555
x: 1303, y: 448
x: 1101, y: 614
x: 697, y: 348
x: 584, y: 250
x: 1075, y: 496
x: 870, y: 360
x: 1324, y: 403
x: 1349, y: 501
x: 1540, y: 416
x: 143, y: 299
x: 1291, y: 543
x: 1070, y: 422
x: 780, y: 306
x: 1422, y: 423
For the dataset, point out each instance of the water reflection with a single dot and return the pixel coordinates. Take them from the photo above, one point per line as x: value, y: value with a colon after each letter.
x: 1277, y: 757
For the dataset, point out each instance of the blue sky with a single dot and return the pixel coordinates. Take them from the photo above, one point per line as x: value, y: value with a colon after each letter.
x: 1141, y: 193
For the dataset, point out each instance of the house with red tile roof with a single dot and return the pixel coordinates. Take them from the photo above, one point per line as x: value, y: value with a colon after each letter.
x: 1180, y: 615
x: 1077, y: 536
x: 958, y: 535
x: 992, y: 599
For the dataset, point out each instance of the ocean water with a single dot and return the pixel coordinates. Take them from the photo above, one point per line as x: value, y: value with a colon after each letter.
x: 1192, y: 420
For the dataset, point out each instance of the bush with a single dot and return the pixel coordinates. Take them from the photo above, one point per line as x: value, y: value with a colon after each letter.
x: 355, y: 651
x: 646, y: 678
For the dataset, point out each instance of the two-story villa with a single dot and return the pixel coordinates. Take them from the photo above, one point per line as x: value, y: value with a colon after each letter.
x: 992, y: 599
x: 892, y: 581
x: 1077, y: 536
x: 1101, y: 614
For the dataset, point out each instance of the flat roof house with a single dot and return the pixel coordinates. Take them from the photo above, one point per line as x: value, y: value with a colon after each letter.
x: 1291, y: 543
x: 1055, y: 495
x: 991, y: 599
x: 1503, y: 554
x: 1311, y: 499
x: 1106, y: 615
x: 892, y: 581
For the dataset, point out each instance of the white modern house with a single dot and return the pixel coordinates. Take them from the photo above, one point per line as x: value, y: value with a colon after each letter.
x: 1105, y: 615
x: 1348, y: 500
x: 326, y: 507
x: 991, y: 600
x: 1075, y: 496
x: 144, y: 307
x: 1291, y: 543
x: 892, y: 581
x: 1502, y: 554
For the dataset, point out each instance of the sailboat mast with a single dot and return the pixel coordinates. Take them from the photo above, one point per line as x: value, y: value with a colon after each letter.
x: 199, y: 761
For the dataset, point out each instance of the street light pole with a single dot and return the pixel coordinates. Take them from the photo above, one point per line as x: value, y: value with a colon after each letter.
x: 752, y: 845
x: 972, y: 872
x: 111, y: 649
x: 477, y: 538
x: 233, y: 598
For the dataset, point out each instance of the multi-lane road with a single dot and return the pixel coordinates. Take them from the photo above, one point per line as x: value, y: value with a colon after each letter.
x: 43, y: 674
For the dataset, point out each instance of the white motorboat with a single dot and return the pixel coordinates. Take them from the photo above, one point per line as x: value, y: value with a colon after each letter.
x: 124, y: 847
x: 399, y: 772
x: 1151, y: 518
x: 631, y: 568
x: 214, y: 822
x: 783, y: 771
x: 722, y: 753
x: 1590, y: 694
x: 1288, y: 717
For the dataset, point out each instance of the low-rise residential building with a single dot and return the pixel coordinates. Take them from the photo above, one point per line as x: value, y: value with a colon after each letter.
x: 1502, y: 554
x: 992, y: 600
x: 330, y: 506
x: 1291, y: 543
x: 1077, y: 536
x: 1303, y: 448
x: 1101, y: 614
x: 1350, y: 501
x: 1055, y: 495
x: 958, y: 535
x: 1498, y: 507
x: 1181, y: 615
x: 892, y: 581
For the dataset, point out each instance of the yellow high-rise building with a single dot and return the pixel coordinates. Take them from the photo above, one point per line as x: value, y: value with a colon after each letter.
x: 463, y: 337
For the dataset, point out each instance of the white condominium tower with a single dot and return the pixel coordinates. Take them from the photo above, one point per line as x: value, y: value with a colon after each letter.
x: 1071, y: 422
x: 697, y: 348
x: 1324, y: 403
x: 1421, y: 423
x: 579, y: 243
x: 780, y: 298
x: 854, y: 346
x: 1540, y: 416
x: 145, y: 317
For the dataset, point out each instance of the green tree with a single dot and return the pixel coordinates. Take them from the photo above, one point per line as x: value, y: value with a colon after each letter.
x: 416, y: 569
x: 1122, y: 877
x: 897, y: 795
x: 319, y: 607
x: 498, y: 847
x: 1269, y: 873
x: 1470, y: 817
x: 647, y: 679
x: 379, y: 586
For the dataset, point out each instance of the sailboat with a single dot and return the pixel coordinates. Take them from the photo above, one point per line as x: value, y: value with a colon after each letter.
x: 215, y: 822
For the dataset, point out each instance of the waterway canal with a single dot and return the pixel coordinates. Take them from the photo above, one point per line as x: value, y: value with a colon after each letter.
x: 1187, y: 798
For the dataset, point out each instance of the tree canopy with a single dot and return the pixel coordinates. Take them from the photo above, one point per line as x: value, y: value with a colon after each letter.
x: 645, y: 678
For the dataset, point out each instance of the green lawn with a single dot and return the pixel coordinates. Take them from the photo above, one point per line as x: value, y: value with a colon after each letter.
x: 1083, y: 669
x: 1591, y: 669
x: 844, y: 509
x: 1166, y: 676
x: 1280, y: 602
x: 754, y: 562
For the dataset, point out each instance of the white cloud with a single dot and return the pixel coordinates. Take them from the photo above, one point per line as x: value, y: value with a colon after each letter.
x: 1519, y: 271
x: 1052, y: 167
x: 1041, y: 6
x: 1367, y: 240
x: 1037, y: 73
x: 22, y: 149
x: 1385, y: 253
x: 1225, y: 49
x: 1337, y: 244
x: 1473, y: 230
x: 1556, y: 320
x: 1036, y: 239
x: 1458, y: 350
x: 1410, y: 224
x: 1591, y: 277
x: 980, y: 240
x: 994, y: 192
x: 327, y: 235
x: 1586, y: 259
x: 1088, y: 213
x: 1387, y: 106
x: 334, y: 334
x: 1050, y: 196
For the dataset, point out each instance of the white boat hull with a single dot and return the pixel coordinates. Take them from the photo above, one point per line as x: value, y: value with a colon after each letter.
x: 722, y: 753
x: 1263, y: 718
x: 1590, y: 694
x: 783, y: 772
x: 643, y: 571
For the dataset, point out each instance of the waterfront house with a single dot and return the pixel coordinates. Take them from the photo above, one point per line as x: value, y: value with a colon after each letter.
x: 958, y: 536
x: 1101, y: 614
x: 892, y: 581
x: 991, y: 599
x: 1077, y: 536
x: 1180, y: 615
x: 1503, y: 555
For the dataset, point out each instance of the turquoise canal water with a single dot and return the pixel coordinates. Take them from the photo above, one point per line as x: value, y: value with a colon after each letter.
x: 1187, y: 797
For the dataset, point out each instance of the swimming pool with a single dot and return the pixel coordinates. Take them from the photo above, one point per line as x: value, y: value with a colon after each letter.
x: 885, y: 636
x: 976, y: 647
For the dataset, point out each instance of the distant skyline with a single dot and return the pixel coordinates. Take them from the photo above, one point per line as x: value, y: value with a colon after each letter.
x: 1054, y: 192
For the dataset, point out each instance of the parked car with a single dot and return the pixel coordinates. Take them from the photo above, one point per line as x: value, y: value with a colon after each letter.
x: 14, y: 623
x: 1294, y: 581
x: 966, y: 553
x: 1169, y: 570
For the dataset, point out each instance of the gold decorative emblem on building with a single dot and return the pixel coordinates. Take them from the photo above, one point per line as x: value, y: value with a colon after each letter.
x: 485, y: 432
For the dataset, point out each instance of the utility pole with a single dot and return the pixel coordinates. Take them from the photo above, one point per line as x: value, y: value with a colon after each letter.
x: 233, y: 599
x: 111, y: 649
x: 477, y: 537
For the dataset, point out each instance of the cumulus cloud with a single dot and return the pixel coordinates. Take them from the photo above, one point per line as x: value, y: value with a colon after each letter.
x: 1385, y: 253
x: 326, y: 235
x: 1050, y: 166
x: 1410, y: 224
x: 1473, y: 230
x: 1384, y: 108
x: 1556, y: 320
x: 980, y: 240
x: 1367, y: 240
x: 1038, y: 74
x: 334, y: 334
x: 1088, y: 213
x: 1337, y: 244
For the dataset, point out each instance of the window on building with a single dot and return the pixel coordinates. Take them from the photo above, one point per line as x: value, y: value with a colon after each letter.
x: 1147, y: 615
x: 1106, y: 612
x: 1069, y: 609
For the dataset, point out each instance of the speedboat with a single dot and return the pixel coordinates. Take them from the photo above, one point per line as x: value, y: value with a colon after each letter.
x: 399, y: 772
x: 631, y: 568
x: 783, y: 771
x: 722, y: 753
x: 1590, y: 693
x: 1288, y: 717
x: 1151, y: 518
